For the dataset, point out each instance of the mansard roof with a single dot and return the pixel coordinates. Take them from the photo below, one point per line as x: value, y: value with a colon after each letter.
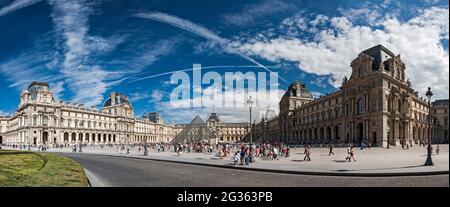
x: 118, y: 99
x: 376, y: 52
x: 444, y: 102
x: 213, y: 116
x: 38, y: 83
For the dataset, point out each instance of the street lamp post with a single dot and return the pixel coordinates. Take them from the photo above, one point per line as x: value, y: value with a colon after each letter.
x: 429, y: 161
x: 250, y: 103
x: 265, y: 130
x: 145, y: 148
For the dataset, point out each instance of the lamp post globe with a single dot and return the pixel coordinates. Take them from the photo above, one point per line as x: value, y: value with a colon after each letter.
x: 429, y: 161
x: 145, y: 148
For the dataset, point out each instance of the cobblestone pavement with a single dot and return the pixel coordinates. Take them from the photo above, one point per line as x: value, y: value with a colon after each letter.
x: 368, y: 161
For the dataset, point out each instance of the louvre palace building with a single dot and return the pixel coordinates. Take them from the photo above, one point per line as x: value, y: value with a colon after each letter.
x: 375, y: 106
x: 40, y: 120
x: 227, y: 132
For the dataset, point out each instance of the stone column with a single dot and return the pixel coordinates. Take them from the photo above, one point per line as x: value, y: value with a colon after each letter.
x: 352, y: 132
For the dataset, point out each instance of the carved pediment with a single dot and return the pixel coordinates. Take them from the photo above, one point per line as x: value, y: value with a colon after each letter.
x: 362, y: 59
x: 361, y: 66
x: 398, y: 63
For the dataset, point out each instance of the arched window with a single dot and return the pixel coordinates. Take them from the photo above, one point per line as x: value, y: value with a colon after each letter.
x: 389, y: 104
x: 45, y: 120
x: 374, y: 104
x: 400, y: 106
x: 34, y: 120
x: 397, y: 74
x: 361, y: 72
x: 361, y: 105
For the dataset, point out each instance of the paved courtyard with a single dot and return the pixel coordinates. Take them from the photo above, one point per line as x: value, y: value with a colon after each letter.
x: 368, y: 161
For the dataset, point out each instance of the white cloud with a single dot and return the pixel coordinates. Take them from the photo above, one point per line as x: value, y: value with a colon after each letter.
x: 58, y: 89
x: 316, y: 94
x: 417, y: 40
x: 366, y: 14
x: 200, y: 31
x: 16, y: 5
x: 431, y: 1
x: 320, y: 82
x: 137, y: 96
x: 232, y: 109
x: 157, y: 95
x: 86, y: 79
x: 253, y: 14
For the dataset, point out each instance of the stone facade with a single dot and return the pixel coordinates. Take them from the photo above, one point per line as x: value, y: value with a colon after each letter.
x: 376, y: 106
x: 40, y: 120
x: 227, y: 132
x: 440, y: 126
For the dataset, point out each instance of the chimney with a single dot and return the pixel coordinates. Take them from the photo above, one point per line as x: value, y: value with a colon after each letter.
x: 297, y: 88
x: 113, y: 98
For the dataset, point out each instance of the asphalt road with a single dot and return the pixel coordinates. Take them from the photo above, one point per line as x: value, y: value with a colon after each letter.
x: 123, y: 172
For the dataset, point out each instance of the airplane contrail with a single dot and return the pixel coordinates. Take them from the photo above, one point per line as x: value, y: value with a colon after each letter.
x: 200, y: 31
x: 190, y: 69
x: 16, y: 5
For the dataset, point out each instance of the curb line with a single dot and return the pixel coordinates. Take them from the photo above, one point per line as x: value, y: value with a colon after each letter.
x: 93, y: 181
x: 394, y: 174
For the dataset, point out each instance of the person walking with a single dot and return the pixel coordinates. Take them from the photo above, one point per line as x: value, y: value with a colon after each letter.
x: 308, y: 153
x: 180, y: 150
x: 352, y: 155
x: 348, y: 154
x: 437, y: 149
x: 221, y: 154
x: 288, y: 152
x: 242, y: 155
x: 237, y: 157
x: 246, y: 157
x: 331, y: 150
x: 275, y: 153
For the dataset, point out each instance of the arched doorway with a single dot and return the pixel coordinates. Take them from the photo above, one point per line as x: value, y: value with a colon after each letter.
x: 321, y: 132
x: 336, y: 132
x: 310, y: 134
x: 328, y: 134
x: 359, y: 132
x: 374, y: 138
x: 74, y: 136
x: 66, y: 137
x: 45, y: 138
x: 1, y: 140
x: 315, y: 134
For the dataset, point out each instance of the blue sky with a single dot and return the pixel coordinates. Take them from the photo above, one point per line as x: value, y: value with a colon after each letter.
x: 86, y: 49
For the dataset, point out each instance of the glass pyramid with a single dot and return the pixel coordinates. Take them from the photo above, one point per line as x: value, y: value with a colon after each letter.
x: 195, y: 132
